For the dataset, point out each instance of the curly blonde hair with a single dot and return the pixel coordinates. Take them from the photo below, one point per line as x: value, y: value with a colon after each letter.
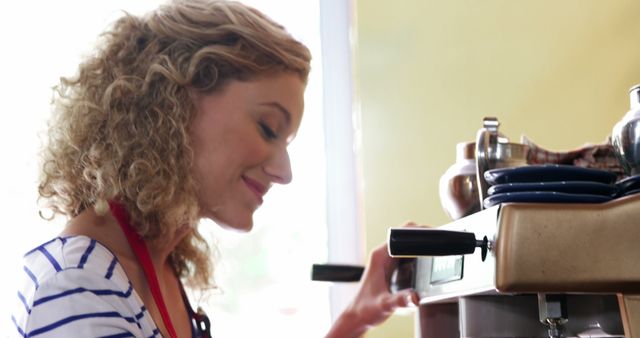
x: 120, y: 129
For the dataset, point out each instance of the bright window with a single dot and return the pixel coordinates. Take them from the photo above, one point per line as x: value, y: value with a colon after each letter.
x: 263, y: 276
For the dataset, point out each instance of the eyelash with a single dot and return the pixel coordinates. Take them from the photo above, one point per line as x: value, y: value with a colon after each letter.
x: 267, y: 131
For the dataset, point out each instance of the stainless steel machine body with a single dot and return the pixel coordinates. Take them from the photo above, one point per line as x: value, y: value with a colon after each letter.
x: 552, y: 270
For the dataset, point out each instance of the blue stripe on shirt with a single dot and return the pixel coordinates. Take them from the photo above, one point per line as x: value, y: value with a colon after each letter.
x: 24, y: 302
x: 32, y: 276
x: 139, y: 316
x: 50, y: 258
x: 70, y: 319
x: 102, y: 292
x: 86, y: 254
x: 112, y: 266
x: 141, y: 313
x: 119, y: 335
x: 40, y: 247
x: 20, y: 331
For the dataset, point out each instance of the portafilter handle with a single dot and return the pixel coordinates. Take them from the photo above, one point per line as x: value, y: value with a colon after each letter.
x: 403, y: 276
x: 414, y: 242
x: 336, y: 272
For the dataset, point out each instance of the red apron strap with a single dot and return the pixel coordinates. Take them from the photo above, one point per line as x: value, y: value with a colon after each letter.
x: 140, y: 249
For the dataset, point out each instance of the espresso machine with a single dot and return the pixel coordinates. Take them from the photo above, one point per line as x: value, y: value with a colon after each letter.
x: 527, y: 269
x: 522, y: 268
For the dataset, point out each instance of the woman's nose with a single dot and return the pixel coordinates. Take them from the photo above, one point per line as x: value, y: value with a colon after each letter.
x: 279, y: 167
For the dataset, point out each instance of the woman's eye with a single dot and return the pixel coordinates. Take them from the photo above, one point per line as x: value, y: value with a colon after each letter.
x: 267, y: 131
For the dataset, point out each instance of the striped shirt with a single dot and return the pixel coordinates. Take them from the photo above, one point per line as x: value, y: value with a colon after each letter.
x: 75, y: 287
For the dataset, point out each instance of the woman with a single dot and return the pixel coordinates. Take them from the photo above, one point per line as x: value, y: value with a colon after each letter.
x: 183, y: 114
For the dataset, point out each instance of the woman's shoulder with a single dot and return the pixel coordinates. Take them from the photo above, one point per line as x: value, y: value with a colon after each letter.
x: 73, y: 256
x: 70, y: 264
x: 73, y: 279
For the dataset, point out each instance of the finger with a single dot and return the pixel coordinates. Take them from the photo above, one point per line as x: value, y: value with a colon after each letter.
x: 380, y: 257
x: 413, y: 298
x: 400, y: 299
x: 379, y: 268
x: 392, y: 302
x: 411, y: 224
x: 409, y: 298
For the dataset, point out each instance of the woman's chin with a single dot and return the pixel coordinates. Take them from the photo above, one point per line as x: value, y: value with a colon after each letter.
x: 238, y: 226
x: 234, y: 222
x: 242, y: 229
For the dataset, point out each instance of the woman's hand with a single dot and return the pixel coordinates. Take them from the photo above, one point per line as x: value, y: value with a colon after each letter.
x: 373, y: 303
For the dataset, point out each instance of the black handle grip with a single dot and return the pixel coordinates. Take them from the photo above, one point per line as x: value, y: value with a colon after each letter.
x: 336, y: 273
x: 430, y: 242
x: 403, y: 276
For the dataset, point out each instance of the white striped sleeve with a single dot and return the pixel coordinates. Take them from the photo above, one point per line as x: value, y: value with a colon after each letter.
x: 75, y: 303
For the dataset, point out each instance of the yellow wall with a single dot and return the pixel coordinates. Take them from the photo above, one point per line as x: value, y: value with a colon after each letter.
x: 428, y: 71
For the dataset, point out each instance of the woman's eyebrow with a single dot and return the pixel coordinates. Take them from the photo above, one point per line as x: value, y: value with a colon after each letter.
x: 280, y: 108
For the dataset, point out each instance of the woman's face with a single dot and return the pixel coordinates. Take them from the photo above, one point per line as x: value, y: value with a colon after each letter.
x: 239, y: 138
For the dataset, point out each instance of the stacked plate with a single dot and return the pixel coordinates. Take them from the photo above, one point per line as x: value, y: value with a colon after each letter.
x: 551, y: 184
x: 628, y: 186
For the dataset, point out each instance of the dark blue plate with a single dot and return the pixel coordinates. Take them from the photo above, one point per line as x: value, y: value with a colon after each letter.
x: 628, y: 184
x: 543, y: 197
x: 629, y: 192
x: 577, y: 187
x: 547, y: 173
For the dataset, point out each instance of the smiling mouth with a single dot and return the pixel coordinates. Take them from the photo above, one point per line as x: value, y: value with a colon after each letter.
x: 258, y: 189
